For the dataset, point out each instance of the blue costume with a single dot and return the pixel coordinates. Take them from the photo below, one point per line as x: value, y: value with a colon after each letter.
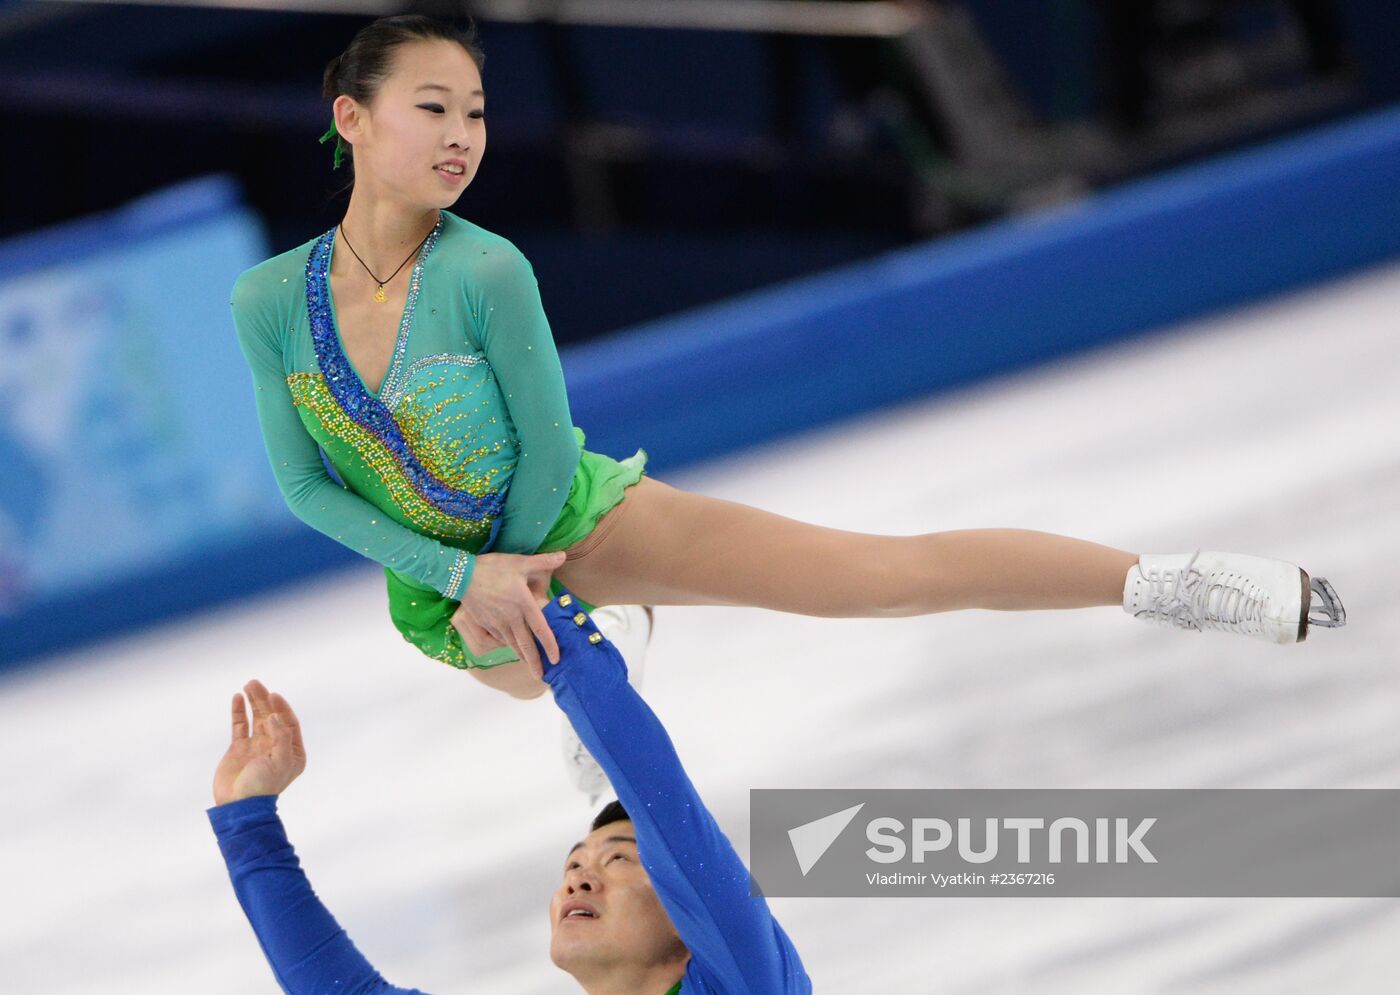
x: 735, y: 944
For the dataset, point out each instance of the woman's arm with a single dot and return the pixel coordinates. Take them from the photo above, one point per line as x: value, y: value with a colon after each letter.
x: 502, y: 601
x: 308, y: 489
x: 519, y: 346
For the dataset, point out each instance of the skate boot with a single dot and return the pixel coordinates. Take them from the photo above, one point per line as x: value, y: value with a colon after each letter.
x: 1231, y: 592
x: 628, y: 628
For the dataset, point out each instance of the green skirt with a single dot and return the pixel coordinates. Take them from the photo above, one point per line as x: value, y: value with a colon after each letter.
x: 424, y: 617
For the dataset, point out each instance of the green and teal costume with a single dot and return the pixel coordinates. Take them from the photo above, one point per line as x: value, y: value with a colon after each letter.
x: 466, y: 447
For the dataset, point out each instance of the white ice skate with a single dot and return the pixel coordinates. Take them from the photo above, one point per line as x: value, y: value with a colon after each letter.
x: 627, y: 627
x: 1231, y: 592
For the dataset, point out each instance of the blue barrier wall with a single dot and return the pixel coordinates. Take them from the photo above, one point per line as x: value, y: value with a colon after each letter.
x: 1014, y: 293
x: 822, y: 348
x: 128, y: 448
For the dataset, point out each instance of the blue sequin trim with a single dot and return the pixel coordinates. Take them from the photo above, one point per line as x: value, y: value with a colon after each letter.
x: 363, y: 407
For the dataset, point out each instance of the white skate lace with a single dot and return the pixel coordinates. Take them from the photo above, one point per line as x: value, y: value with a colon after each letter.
x: 1193, y: 602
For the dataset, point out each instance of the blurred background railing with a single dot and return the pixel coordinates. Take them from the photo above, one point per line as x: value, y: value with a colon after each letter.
x: 650, y: 157
x: 701, y: 147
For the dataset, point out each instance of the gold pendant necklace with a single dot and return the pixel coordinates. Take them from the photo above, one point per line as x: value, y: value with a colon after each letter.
x: 379, y: 294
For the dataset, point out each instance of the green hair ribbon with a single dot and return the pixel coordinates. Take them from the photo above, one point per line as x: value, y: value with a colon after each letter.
x: 339, y: 142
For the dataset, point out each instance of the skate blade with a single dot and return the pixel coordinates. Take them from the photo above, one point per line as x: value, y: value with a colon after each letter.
x: 1325, y: 608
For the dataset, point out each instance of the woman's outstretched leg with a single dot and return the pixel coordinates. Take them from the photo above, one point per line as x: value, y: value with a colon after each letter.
x: 670, y: 546
x: 664, y: 546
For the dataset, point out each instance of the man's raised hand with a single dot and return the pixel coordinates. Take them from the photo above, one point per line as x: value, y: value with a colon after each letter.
x: 264, y: 757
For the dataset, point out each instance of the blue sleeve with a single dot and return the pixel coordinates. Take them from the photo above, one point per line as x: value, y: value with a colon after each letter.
x: 307, y: 950
x: 735, y: 943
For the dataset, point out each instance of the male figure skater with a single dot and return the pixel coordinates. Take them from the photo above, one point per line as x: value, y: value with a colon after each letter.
x: 654, y: 901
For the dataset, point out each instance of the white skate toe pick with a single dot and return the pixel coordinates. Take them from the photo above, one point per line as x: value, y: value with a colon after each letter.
x: 1231, y: 592
x: 628, y: 628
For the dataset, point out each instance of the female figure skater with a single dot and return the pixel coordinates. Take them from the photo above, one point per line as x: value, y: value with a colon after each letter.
x: 411, y: 346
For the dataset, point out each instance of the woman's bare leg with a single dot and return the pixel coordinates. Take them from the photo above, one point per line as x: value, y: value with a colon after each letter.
x: 513, y: 678
x: 672, y: 547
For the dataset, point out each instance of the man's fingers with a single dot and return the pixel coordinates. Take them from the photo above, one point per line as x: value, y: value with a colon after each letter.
x: 539, y: 590
x: 282, y: 748
x: 477, y: 628
x: 499, y: 633
x: 257, y: 696
x: 469, y: 641
x: 495, y: 636
x: 279, y: 706
x: 539, y: 574
x: 525, y: 649
x: 240, y: 719
x: 543, y: 565
x: 542, y: 631
x: 476, y: 638
x: 282, y: 710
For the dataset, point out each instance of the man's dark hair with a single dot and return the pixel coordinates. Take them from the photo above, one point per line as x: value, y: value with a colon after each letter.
x: 612, y: 812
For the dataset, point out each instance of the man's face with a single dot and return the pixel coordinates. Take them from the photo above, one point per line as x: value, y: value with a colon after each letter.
x: 606, y: 912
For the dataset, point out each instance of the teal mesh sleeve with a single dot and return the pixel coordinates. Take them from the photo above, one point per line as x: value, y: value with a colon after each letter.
x: 519, y: 346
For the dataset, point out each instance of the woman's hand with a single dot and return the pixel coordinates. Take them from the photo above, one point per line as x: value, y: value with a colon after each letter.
x: 265, y: 759
x: 502, y: 606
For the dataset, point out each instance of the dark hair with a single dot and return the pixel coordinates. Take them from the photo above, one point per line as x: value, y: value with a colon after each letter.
x: 612, y: 812
x: 365, y: 64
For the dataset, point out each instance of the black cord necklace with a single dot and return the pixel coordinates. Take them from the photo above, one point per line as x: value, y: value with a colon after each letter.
x: 379, y: 294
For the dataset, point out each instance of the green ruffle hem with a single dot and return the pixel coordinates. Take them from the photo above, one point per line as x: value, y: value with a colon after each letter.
x: 424, y: 617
